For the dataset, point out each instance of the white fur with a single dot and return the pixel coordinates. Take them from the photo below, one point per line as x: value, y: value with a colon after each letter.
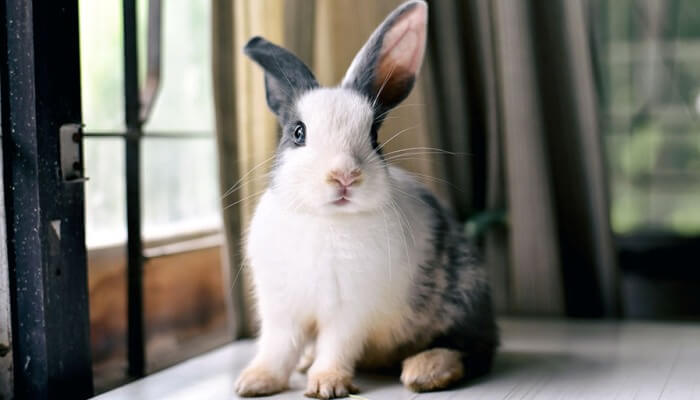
x: 337, y: 275
x: 345, y: 270
x: 337, y: 138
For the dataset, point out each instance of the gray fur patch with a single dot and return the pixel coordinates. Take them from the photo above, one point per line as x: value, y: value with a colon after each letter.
x: 286, y: 76
x: 457, y: 315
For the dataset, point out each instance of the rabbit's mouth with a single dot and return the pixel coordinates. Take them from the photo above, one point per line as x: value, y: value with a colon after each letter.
x: 343, y: 196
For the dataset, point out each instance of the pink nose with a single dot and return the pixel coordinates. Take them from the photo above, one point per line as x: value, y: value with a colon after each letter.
x: 345, y: 178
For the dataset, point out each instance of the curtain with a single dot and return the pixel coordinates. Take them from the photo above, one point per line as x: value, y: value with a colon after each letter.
x: 527, y: 70
x: 507, y: 86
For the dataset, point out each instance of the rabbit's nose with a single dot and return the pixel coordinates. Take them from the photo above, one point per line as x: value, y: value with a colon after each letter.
x: 344, y: 177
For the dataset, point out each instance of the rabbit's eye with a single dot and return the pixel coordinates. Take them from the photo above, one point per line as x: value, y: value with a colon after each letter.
x: 299, y: 134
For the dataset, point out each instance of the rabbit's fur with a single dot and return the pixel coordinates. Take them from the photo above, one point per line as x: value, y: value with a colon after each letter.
x: 353, y: 260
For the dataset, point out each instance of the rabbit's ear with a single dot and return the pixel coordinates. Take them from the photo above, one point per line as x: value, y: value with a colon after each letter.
x: 386, y: 66
x: 286, y: 76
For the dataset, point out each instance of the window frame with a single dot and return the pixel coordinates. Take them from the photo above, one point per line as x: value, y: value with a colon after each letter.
x: 44, y: 198
x: 138, y: 104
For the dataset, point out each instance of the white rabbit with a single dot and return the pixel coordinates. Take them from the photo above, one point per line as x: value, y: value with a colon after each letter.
x: 349, y: 255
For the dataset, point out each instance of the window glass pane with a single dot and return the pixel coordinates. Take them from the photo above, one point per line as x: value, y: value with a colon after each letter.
x: 107, y: 295
x: 101, y: 64
x: 185, y: 306
x: 649, y: 56
x: 105, y: 237
x: 185, y: 101
x: 105, y: 217
x: 179, y: 186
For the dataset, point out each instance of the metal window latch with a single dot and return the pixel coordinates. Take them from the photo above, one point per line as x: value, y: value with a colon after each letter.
x: 71, y: 136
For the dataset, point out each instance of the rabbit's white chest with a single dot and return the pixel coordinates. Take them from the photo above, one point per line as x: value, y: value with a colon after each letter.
x: 316, y: 268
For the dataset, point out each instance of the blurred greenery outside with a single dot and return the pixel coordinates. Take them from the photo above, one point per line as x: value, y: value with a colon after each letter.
x: 650, y: 104
x: 179, y: 177
x: 649, y: 96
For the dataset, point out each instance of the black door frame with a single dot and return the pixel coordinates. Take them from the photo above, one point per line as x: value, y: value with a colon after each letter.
x: 44, y: 197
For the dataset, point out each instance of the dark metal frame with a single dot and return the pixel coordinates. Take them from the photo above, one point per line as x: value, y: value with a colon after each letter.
x: 40, y: 84
x: 135, y: 337
x: 138, y: 103
x: 43, y: 176
x: 138, y: 106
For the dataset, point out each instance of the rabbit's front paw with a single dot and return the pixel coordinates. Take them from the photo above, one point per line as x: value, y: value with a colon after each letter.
x: 330, y: 385
x: 258, y: 381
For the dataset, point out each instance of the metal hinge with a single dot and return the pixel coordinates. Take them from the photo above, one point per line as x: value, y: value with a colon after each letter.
x: 71, y: 136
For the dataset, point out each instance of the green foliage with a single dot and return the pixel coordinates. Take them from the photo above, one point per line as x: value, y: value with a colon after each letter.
x: 649, y: 55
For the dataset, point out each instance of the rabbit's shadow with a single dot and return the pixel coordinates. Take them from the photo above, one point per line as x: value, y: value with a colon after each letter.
x: 513, y: 362
x: 529, y: 364
x: 509, y: 364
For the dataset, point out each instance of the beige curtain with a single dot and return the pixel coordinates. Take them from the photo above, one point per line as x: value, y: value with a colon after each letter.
x: 324, y: 34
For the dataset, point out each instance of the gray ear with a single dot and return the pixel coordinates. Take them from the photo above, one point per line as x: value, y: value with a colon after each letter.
x: 386, y: 66
x: 286, y: 76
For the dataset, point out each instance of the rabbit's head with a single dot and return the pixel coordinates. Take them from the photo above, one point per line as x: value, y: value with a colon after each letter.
x: 329, y: 160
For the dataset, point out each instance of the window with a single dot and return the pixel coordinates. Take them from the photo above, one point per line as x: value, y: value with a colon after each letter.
x: 180, y: 213
x: 648, y: 56
x: 650, y: 72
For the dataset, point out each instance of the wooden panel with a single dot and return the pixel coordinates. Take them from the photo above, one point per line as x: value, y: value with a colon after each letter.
x: 185, y: 310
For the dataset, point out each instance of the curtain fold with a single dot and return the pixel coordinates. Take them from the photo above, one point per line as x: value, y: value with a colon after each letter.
x: 223, y: 72
x: 532, y: 112
x: 576, y: 163
x: 535, y: 270
x: 246, y: 133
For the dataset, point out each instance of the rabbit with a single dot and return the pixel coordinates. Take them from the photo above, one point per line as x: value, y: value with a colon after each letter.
x: 353, y: 261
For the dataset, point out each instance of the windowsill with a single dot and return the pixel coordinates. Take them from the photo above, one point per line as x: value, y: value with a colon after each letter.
x: 537, y: 359
x: 164, y: 246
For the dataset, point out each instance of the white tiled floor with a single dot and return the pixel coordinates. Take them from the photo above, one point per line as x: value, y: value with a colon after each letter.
x: 537, y: 360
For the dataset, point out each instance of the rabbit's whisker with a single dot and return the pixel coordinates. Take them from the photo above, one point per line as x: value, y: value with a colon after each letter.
x: 413, y: 154
x: 244, y: 199
x: 240, y: 181
x: 388, y: 241
x: 240, y: 268
x: 248, y: 180
x: 379, y: 117
x: 405, y: 218
x: 434, y: 179
x: 422, y: 148
x: 394, y: 207
x: 374, y: 103
x: 410, y: 195
x: 402, y: 131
